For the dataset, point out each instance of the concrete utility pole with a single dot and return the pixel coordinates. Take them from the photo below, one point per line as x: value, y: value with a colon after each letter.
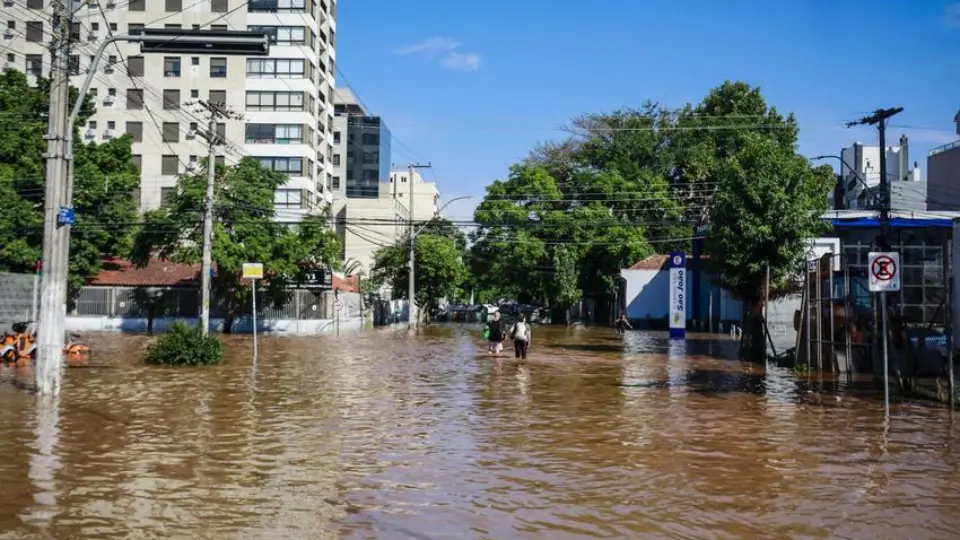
x: 53, y: 281
x: 412, y: 309
x: 879, y: 119
x: 216, y: 112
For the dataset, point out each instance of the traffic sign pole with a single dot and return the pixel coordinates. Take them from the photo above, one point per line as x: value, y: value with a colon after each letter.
x: 253, y: 272
x: 884, y: 277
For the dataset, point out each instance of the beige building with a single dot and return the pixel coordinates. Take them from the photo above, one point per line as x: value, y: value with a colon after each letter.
x: 285, y: 98
x: 426, y: 195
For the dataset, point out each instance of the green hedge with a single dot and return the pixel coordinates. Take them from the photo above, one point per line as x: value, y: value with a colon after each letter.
x: 184, y: 345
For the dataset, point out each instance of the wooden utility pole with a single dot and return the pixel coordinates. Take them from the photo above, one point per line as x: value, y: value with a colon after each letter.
x: 879, y: 119
x: 216, y: 111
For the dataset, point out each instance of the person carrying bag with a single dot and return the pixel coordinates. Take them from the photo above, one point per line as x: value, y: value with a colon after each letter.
x: 521, y: 337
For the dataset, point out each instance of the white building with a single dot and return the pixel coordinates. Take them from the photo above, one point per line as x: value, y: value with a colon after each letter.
x: 426, y: 195
x: 860, y: 171
x: 365, y: 225
x: 285, y: 97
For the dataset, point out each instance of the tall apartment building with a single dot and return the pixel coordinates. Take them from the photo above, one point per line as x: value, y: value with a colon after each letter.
x: 285, y: 98
x: 361, y: 149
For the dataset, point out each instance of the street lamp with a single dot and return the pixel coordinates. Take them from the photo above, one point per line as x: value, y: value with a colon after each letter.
x: 843, y: 163
x: 412, y: 307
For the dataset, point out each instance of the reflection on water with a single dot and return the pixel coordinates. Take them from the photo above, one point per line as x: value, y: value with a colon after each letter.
x: 388, y: 436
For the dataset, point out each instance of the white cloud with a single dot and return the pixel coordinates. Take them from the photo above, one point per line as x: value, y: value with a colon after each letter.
x: 444, y: 49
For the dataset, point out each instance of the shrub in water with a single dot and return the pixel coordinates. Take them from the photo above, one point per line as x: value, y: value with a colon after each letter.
x: 185, y: 345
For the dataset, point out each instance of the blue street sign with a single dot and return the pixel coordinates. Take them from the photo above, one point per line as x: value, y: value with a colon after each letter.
x: 65, y: 216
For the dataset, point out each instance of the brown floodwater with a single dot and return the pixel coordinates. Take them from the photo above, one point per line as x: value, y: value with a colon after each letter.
x: 382, y: 435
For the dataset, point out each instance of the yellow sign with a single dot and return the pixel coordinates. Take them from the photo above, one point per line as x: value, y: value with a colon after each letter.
x: 252, y: 271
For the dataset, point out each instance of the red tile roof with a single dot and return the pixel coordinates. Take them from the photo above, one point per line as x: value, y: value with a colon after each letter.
x: 661, y: 262
x: 120, y: 273
x: 159, y: 273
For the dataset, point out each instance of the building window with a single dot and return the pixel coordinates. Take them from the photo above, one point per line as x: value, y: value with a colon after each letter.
x: 35, y: 31
x: 171, y: 132
x: 134, y: 99
x: 171, y: 100
x: 275, y: 101
x: 283, y: 35
x: 287, y: 165
x: 370, y: 139
x: 220, y: 161
x: 137, y: 5
x: 288, y: 198
x: 166, y: 194
x: 274, y: 134
x: 135, y: 66
x: 174, y: 5
x: 218, y: 68
x: 194, y: 94
x: 169, y: 165
x: 133, y: 27
x: 221, y: 131
x: 135, y: 130
x: 137, y: 161
x: 218, y: 96
x: 335, y: 183
x: 218, y: 6
x: 277, y: 6
x: 336, y: 160
x: 171, y: 66
x: 34, y: 4
x: 276, y: 68
x: 195, y: 60
x: 74, y: 64
x: 336, y: 137
x: 34, y: 64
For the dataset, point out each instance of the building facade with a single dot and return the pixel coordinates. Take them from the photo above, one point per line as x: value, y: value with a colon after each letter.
x: 943, y: 175
x: 426, y: 195
x: 361, y: 151
x: 860, y: 177
x: 285, y: 98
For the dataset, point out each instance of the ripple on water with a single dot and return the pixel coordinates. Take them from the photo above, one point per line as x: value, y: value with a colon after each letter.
x: 388, y: 436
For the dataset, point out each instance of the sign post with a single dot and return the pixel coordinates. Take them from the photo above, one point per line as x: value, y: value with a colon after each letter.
x: 678, y: 295
x: 338, y: 307
x: 884, y: 277
x: 253, y: 272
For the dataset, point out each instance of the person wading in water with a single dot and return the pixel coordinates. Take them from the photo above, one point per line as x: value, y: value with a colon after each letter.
x: 622, y: 324
x: 521, y: 337
x: 495, y: 335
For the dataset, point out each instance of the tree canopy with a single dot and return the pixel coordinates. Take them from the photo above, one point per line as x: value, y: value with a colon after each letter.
x: 439, y: 265
x: 244, y: 231
x: 105, y: 185
x: 627, y: 183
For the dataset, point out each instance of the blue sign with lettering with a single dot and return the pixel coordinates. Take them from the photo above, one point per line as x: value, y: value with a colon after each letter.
x: 65, y: 216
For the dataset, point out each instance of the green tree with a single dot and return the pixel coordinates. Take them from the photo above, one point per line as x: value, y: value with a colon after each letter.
x: 439, y: 268
x: 766, y: 210
x: 105, y: 183
x: 244, y: 231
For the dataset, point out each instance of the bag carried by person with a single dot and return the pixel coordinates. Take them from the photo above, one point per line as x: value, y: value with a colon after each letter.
x: 486, y: 332
x: 520, y: 331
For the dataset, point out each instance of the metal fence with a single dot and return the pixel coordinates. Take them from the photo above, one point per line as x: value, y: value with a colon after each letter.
x: 184, y: 302
x: 839, y: 323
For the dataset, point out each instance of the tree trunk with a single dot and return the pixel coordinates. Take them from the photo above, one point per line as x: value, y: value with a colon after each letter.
x: 754, y: 333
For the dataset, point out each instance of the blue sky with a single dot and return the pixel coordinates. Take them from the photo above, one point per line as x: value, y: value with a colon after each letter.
x: 472, y: 90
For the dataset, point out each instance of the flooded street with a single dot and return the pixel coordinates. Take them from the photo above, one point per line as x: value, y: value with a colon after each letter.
x: 381, y: 435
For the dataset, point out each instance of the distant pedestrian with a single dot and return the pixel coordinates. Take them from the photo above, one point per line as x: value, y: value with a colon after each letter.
x: 521, y: 337
x: 495, y: 335
x: 622, y: 324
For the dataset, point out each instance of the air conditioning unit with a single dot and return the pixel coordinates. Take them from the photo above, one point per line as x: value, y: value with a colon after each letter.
x: 109, y: 134
x: 8, y: 66
x: 192, y: 134
x: 192, y: 165
x: 108, y: 68
x: 92, y: 36
x: 91, y: 133
x: 8, y: 33
x: 109, y: 100
x: 110, y: 3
